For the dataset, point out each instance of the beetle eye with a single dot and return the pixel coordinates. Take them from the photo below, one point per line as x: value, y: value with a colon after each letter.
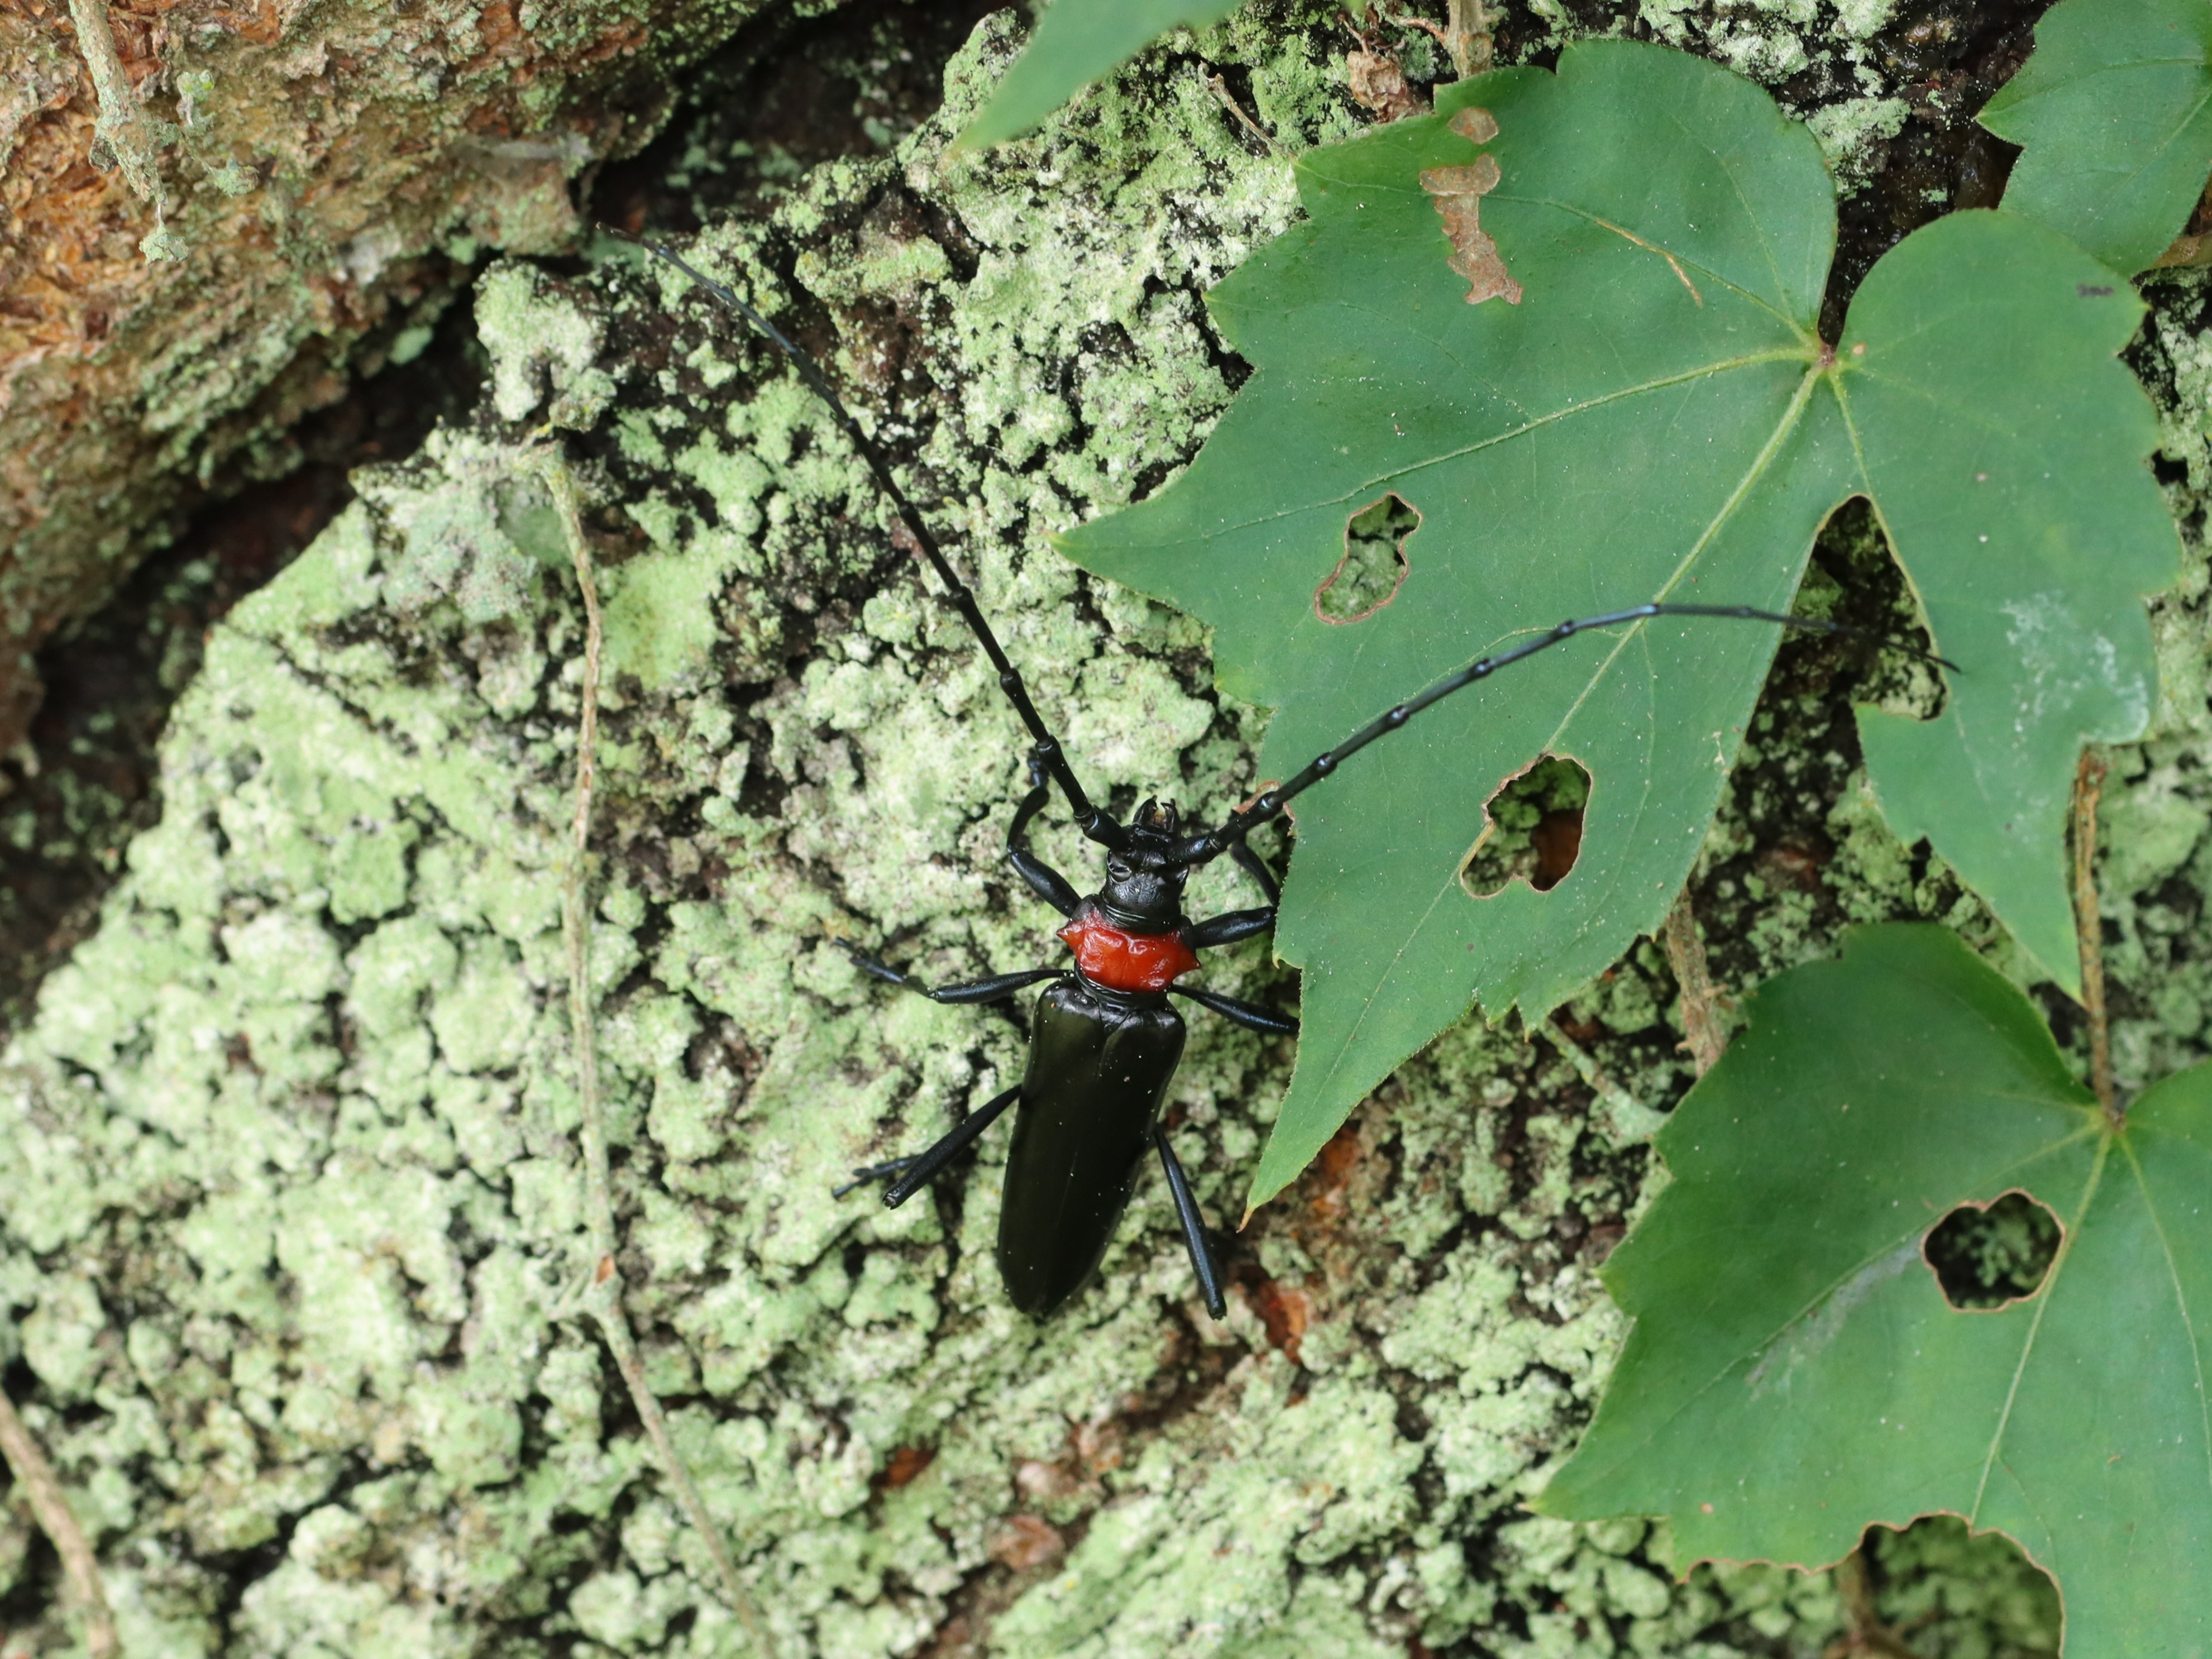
x: 1120, y: 871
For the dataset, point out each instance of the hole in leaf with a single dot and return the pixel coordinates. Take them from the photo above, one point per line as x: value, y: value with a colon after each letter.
x: 1987, y: 1255
x: 1958, y: 1591
x: 1373, y: 567
x: 1535, y: 829
x: 1855, y: 579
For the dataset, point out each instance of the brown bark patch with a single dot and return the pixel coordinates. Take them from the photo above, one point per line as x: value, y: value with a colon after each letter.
x: 1026, y: 1543
x: 905, y: 1463
x: 1379, y: 84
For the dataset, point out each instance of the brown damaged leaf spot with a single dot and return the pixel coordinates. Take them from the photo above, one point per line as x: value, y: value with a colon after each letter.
x: 1477, y: 126
x: 1459, y: 192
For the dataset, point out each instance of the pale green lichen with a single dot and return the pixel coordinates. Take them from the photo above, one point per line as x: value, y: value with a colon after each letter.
x: 533, y: 332
x: 291, y: 1189
x: 1848, y: 131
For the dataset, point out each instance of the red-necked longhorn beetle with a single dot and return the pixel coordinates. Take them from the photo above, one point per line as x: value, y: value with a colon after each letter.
x: 1104, y: 1041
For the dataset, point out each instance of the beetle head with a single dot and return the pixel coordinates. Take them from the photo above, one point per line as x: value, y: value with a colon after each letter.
x: 1144, y: 878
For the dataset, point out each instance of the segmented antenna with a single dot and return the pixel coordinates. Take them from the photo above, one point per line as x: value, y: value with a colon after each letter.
x: 1199, y: 849
x: 1099, y: 825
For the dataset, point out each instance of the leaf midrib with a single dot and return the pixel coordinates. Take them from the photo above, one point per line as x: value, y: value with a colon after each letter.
x: 2045, y: 1294
x: 2180, y: 1296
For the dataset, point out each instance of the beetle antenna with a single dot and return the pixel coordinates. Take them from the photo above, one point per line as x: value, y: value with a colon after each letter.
x: 1095, y: 823
x: 1200, y: 850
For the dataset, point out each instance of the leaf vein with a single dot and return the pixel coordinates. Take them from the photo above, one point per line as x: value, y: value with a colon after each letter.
x: 2048, y: 1295
x: 2180, y: 1296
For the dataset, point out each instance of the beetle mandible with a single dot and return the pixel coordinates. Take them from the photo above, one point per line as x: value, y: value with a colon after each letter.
x: 1104, y: 1039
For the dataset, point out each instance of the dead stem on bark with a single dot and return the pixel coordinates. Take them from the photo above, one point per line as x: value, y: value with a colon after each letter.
x: 1867, y: 1634
x: 122, y: 124
x: 604, y: 1297
x: 1702, y: 1033
x: 1227, y: 99
x: 2089, y: 930
x: 1594, y: 1075
x: 1465, y: 33
x: 1468, y: 21
x: 43, y: 1488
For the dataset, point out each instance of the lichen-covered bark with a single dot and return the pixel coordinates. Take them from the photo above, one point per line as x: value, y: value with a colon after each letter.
x: 289, y: 1176
x: 328, y: 174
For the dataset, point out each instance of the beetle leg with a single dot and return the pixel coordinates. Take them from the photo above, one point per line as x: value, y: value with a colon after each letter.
x: 1233, y: 924
x: 1193, y: 1226
x: 1228, y: 928
x: 1255, y: 867
x: 996, y: 989
x: 867, y: 1172
x: 1250, y: 1016
x: 1046, y: 883
x: 921, y: 1169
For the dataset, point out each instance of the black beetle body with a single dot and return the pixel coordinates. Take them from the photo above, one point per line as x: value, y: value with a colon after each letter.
x: 1100, y: 1063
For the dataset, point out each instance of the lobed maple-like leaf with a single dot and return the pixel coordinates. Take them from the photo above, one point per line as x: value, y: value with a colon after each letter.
x: 1076, y: 42
x: 2115, y: 111
x: 1796, y: 1371
x: 1641, y: 407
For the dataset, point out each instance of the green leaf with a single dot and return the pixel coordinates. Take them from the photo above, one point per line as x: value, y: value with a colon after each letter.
x: 1654, y: 419
x: 1796, y: 1371
x: 2115, y: 110
x: 1076, y: 42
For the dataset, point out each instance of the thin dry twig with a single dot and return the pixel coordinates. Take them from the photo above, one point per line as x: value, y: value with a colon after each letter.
x: 1867, y: 1634
x: 604, y: 1297
x: 1227, y: 99
x: 1632, y: 1119
x: 122, y: 124
x: 1702, y: 1031
x: 43, y: 1487
x: 2089, y: 930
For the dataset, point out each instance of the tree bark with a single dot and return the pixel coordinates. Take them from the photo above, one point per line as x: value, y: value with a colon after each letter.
x: 293, y: 1179
x: 214, y: 216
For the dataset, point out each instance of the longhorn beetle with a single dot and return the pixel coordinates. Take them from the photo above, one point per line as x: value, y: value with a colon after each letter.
x: 1104, y: 1041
